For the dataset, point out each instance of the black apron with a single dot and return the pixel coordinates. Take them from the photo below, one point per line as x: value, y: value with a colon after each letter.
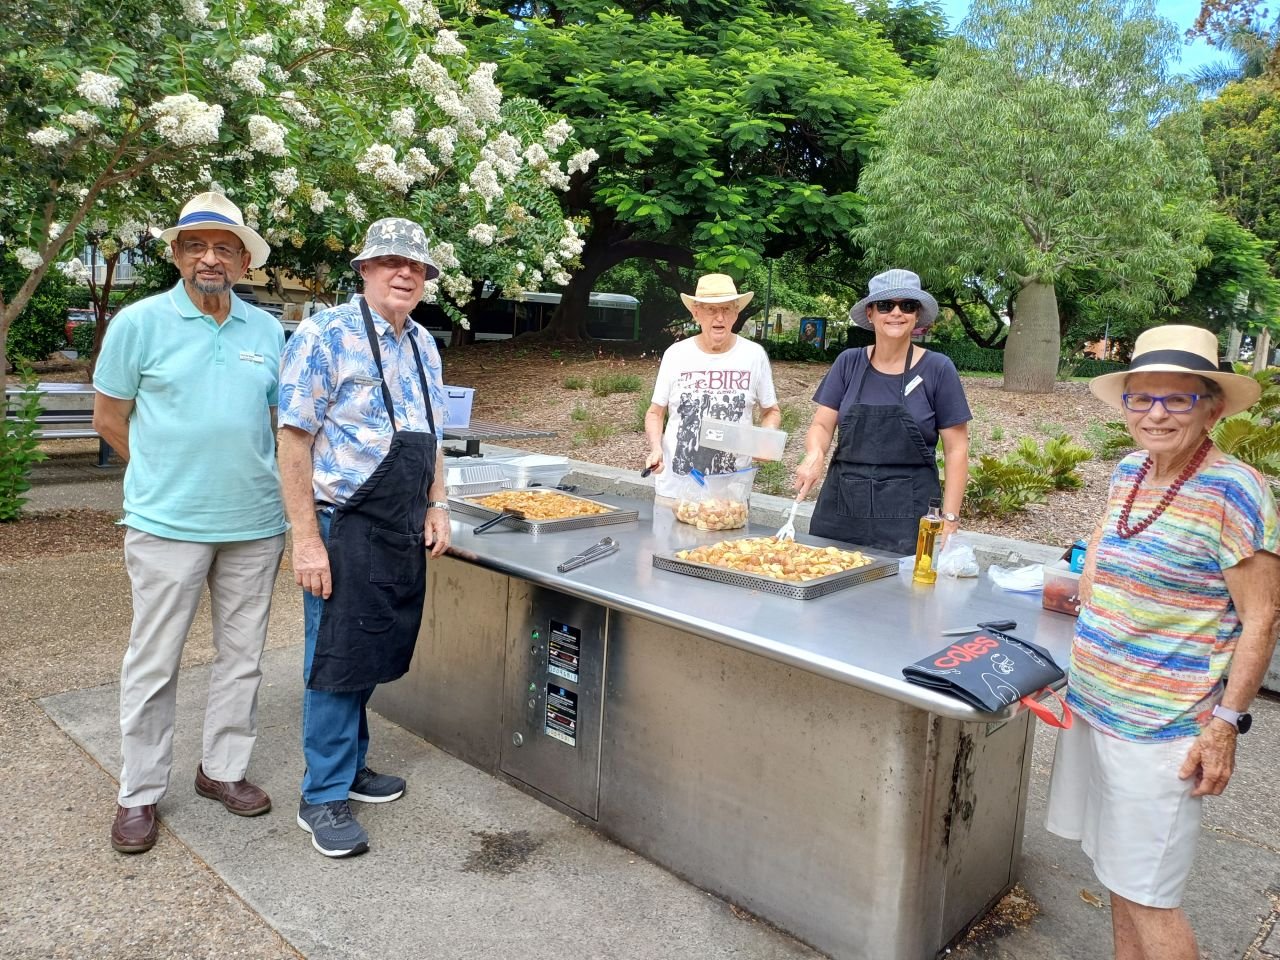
x: 378, y: 559
x: 882, y: 476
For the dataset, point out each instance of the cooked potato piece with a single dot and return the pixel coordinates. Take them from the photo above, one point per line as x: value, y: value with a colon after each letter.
x: 713, y: 514
x: 780, y: 560
x: 540, y: 504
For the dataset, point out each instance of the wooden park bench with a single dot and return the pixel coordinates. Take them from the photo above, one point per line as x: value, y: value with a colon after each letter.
x: 66, y: 413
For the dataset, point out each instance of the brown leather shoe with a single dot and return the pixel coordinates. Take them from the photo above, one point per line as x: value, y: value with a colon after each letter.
x: 135, y: 828
x: 242, y: 798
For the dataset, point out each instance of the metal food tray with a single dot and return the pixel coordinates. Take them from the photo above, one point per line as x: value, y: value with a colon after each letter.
x: 614, y: 515
x: 801, y: 590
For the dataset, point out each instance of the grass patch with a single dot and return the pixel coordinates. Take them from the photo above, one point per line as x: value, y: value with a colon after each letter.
x: 594, y: 432
x: 608, y: 384
x: 774, y: 478
x: 1051, y: 429
x: 792, y: 417
x: 997, y: 434
x: 579, y: 413
x: 574, y: 383
x: 639, y: 410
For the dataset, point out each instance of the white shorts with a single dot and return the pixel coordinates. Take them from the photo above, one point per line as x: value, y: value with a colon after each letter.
x: 1134, y: 818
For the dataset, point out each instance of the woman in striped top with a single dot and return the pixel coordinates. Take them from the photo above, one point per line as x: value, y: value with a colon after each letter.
x: 1180, y: 584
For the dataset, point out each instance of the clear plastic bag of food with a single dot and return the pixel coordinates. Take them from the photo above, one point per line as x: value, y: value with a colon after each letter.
x: 718, y: 501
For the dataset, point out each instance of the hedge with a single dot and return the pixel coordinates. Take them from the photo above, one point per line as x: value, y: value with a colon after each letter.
x: 1096, y: 368
x: 971, y: 358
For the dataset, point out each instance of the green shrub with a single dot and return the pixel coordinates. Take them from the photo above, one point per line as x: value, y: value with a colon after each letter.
x: 595, y: 431
x: 1253, y: 439
x: 794, y: 351
x: 579, y: 413
x: 82, y: 340
x: 575, y: 383
x: 1056, y: 460
x: 639, y: 410
x: 969, y: 357
x: 1096, y: 368
x: 40, y: 328
x: 19, y: 448
x: 1110, y: 440
x: 1000, y: 487
x: 774, y: 478
x: 997, y: 433
x: 792, y: 417
x: 610, y: 383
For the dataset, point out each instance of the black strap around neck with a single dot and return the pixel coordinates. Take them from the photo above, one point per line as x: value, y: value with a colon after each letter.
x: 372, y: 334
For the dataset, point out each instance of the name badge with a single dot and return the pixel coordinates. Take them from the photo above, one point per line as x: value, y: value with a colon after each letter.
x: 251, y: 357
x: 368, y: 381
x: 912, y: 385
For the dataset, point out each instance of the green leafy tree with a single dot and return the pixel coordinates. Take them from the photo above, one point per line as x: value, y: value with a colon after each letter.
x: 726, y: 134
x: 1032, y: 156
x: 40, y: 328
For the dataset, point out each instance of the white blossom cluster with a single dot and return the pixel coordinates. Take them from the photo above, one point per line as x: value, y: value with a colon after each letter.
x: 262, y: 43
x: 379, y: 162
x: 320, y: 201
x: 483, y: 234
x: 357, y: 24
x: 81, y: 120
x: 418, y: 165
x: 457, y: 285
x: 483, y: 97
x: 244, y: 73
x: 48, y: 138
x: 484, y: 180
x: 554, y: 177
x: 129, y: 232
x: 445, y: 140
x: 186, y: 121
x: 354, y: 208
x: 28, y: 259
x: 570, y: 244
x: 556, y: 134
x: 445, y: 256
x: 75, y: 270
x: 581, y: 161
x: 100, y: 89
x: 266, y: 136
x: 429, y: 75
x: 421, y: 11
x: 403, y: 123
x: 196, y: 11
x: 309, y: 15
x: 285, y: 181
x: 503, y: 151
x: 291, y: 105
x: 536, y: 156
x: 448, y: 45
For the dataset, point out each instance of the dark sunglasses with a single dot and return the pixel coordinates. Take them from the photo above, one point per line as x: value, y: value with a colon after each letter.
x: 906, y: 306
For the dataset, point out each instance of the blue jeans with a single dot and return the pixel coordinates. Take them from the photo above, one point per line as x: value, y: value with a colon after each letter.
x: 335, y: 726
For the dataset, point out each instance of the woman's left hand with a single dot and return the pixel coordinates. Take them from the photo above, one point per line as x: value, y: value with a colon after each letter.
x: 1211, y: 759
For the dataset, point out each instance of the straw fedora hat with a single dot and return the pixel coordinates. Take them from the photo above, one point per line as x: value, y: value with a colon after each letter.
x: 716, y: 288
x: 213, y: 211
x: 1175, y: 348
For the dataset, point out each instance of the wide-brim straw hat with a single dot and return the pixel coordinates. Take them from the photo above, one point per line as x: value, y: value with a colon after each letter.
x: 1175, y: 348
x: 396, y: 237
x: 717, y: 288
x: 895, y: 285
x: 213, y: 211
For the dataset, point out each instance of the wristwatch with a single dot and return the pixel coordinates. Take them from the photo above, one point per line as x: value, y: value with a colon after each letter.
x: 1241, y: 721
x: 951, y: 517
x: 438, y: 505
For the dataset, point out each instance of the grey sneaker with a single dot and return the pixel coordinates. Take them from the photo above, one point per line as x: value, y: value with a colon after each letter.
x: 334, y: 831
x: 371, y: 787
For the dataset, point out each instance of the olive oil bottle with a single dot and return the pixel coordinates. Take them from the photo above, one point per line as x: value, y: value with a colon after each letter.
x: 927, y: 544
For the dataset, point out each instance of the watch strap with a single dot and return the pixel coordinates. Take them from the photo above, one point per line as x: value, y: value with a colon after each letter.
x: 951, y: 517
x: 437, y: 504
x: 1233, y: 717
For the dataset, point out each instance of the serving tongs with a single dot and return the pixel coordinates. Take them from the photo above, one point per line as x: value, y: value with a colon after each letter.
x: 601, y: 548
x: 500, y: 518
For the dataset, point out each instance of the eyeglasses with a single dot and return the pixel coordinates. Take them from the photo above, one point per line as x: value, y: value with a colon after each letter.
x: 906, y: 306
x: 224, y: 252
x: 1172, y: 402
x: 396, y: 264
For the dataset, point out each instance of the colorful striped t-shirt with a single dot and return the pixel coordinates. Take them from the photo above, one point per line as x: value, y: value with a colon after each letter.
x: 1154, y: 640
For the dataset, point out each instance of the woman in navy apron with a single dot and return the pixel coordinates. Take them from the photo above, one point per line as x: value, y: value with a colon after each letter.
x: 891, y: 402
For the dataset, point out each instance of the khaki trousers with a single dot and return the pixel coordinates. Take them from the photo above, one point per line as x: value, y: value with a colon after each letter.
x: 168, y: 578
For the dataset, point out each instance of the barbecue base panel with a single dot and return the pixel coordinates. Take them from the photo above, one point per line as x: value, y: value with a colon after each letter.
x: 864, y: 826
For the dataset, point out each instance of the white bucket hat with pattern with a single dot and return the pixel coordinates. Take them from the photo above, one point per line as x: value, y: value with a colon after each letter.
x: 895, y: 285
x: 396, y: 237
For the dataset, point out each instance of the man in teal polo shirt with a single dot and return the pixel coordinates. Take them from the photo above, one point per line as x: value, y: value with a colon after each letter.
x: 186, y: 389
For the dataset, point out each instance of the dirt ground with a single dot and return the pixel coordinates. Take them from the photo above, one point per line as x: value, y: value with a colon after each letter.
x: 551, y: 388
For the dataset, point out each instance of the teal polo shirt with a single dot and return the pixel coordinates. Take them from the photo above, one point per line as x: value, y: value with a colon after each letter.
x: 202, y: 462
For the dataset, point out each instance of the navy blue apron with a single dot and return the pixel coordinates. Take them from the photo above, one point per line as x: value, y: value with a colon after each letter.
x: 882, y: 476
x: 378, y: 558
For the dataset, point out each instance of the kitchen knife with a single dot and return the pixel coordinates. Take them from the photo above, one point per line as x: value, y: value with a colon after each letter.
x: 984, y: 625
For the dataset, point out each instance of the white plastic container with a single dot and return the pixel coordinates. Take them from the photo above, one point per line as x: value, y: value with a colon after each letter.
x: 533, y: 469
x: 761, y: 443
x: 458, y: 406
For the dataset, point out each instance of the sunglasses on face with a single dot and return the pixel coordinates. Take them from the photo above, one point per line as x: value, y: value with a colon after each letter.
x: 1172, y: 402
x: 906, y: 306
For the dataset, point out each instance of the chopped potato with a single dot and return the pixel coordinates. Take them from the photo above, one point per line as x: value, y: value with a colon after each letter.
x: 540, y: 504
x: 780, y: 560
x: 713, y: 514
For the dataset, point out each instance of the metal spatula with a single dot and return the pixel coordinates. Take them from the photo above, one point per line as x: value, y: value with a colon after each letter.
x: 788, y: 530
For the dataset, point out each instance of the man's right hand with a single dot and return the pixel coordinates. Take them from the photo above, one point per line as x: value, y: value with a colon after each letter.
x: 654, y: 460
x: 311, y: 567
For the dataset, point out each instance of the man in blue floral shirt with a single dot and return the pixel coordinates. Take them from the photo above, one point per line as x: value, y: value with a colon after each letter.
x: 361, y: 419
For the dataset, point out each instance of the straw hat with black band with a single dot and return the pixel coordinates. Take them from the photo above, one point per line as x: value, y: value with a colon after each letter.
x: 1176, y: 348
x: 717, y: 288
x: 213, y: 211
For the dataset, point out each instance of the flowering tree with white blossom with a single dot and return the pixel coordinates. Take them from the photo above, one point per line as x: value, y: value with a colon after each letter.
x: 315, y: 117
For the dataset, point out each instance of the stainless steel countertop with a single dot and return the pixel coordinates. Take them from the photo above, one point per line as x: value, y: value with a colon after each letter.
x: 863, y: 636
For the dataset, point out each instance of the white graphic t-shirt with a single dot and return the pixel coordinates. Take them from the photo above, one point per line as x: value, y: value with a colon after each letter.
x: 693, y: 384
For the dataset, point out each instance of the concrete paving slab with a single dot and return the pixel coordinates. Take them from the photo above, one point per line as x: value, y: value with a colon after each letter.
x: 424, y: 889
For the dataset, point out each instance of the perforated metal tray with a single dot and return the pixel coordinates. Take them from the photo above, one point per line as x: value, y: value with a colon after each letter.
x: 881, y: 566
x: 614, y: 515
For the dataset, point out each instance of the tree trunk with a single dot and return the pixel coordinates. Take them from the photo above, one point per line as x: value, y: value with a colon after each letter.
x: 1032, y: 347
x: 1261, y: 350
x: 101, y: 297
x: 1233, y: 344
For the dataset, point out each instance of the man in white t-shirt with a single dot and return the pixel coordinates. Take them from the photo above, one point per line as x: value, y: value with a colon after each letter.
x: 716, y: 374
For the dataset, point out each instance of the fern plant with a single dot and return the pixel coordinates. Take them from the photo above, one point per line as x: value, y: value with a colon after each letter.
x: 1000, y: 486
x: 1110, y: 440
x: 1057, y: 460
x: 1254, y: 435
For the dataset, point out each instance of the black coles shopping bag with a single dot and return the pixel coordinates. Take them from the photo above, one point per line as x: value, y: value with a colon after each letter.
x: 990, y: 670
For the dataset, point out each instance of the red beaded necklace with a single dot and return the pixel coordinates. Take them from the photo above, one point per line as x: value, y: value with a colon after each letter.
x: 1122, y: 524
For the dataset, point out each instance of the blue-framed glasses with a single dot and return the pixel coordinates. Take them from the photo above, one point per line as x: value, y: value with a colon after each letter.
x: 1172, y: 402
